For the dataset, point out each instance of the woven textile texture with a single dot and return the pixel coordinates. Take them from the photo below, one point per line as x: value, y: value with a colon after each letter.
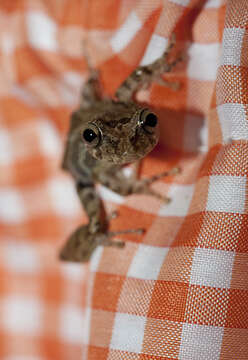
x: 181, y: 290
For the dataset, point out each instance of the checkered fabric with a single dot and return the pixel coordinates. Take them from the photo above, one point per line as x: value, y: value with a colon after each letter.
x: 181, y: 290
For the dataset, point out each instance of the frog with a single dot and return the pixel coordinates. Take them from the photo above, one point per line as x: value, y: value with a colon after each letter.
x: 106, y: 134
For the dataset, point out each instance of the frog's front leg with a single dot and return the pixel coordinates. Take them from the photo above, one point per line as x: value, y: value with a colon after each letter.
x: 143, y: 186
x: 93, y: 206
x: 142, y: 76
x: 91, y: 91
x: 124, y: 185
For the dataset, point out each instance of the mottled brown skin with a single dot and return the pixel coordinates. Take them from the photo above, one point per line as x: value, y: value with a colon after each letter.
x: 82, y: 243
x: 124, y: 137
x: 122, y: 132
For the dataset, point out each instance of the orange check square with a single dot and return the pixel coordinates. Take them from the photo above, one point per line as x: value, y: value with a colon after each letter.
x: 237, y: 314
x: 168, y: 301
x: 95, y: 353
x: 107, y: 291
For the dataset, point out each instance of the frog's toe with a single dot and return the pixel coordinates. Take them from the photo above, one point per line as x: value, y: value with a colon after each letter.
x: 113, y: 215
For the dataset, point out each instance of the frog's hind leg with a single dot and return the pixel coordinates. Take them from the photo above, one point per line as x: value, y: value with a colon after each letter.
x: 142, y: 76
x: 91, y: 91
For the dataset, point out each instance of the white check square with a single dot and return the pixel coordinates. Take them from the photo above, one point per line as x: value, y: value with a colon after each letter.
x: 86, y: 326
x: 21, y: 257
x: 180, y: 196
x: 155, y: 49
x: 126, y: 33
x: 128, y: 333
x: 63, y: 196
x: 232, y: 46
x: 227, y: 194
x: 50, y: 143
x: 12, y: 207
x: 200, y: 342
x: 211, y: 4
x: 21, y: 315
x: 147, y: 262
x: 212, y: 268
x: 181, y: 2
x: 109, y: 195
x: 42, y: 31
x: 72, y: 271
x: 71, y: 324
x: 6, y: 150
x: 195, y: 132
x: 207, y: 69
x: 233, y: 121
x: 95, y: 258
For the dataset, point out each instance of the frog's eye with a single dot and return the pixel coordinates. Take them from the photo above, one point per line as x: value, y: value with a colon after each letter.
x: 91, y: 135
x: 149, y: 121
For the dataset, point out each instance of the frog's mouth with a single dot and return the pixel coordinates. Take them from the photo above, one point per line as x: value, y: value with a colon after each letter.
x: 135, y: 148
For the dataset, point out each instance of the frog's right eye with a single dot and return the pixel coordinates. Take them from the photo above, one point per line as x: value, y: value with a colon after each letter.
x: 91, y: 135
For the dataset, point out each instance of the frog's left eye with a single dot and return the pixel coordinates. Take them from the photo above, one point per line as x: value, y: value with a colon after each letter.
x: 149, y: 121
x: 91, y: 135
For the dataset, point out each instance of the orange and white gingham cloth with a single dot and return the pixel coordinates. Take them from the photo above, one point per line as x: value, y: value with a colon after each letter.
x: 181, y: 290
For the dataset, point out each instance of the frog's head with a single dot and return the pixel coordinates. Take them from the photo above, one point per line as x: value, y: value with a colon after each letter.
x: 120, y: 133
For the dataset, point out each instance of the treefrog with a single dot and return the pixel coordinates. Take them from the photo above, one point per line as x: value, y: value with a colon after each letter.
x: 104, y: 135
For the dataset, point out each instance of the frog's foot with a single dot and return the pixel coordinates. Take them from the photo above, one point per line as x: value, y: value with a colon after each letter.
x: 82, y: 243
x: 164, y: 66
x: 91, y: 91
x: 112, y: 215
x: 95, y: 225
x: 105, y: 239
x: 173, y: 85
x: 79, y: 246
x: 152, y: 179
x: 143, y: 186
x: 143, y: 76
